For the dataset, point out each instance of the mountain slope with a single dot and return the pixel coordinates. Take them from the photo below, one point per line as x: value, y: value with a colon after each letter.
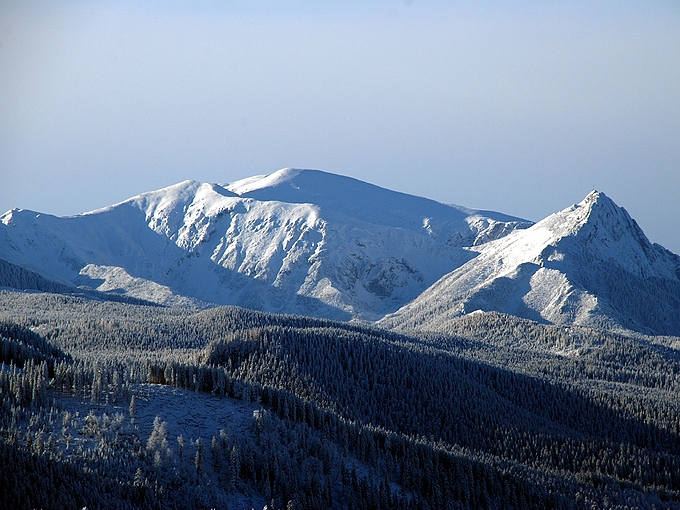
x: 589, y: 264
x: 295, y: 241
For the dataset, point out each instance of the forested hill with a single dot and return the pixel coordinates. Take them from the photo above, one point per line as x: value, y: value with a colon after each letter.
x: 341, y: 416
x: 15, y: 277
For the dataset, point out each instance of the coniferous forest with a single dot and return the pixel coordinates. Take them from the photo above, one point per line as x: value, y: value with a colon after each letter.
x: 123, y: 405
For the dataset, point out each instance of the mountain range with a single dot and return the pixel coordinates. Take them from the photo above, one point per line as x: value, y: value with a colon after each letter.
x: 313, y: 243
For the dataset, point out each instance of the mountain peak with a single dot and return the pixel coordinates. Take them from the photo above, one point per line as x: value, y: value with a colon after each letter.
x: 598, y: 229
x: 595, y: 216
x: 588, y: 264
x: 257, y: 182
x: 18, y: 216
x: 594, y: 195
x: 597, y: 202
x: 605, y: 213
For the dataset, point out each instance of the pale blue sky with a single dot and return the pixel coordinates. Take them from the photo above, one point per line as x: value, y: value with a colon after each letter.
x: 519, y: 107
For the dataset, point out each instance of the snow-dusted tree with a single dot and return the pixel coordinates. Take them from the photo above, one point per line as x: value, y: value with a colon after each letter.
x: 198, y: 460
x: 216, y: 451
x: 180, y: 446
x: 157, y: 445
x: 133, y: 409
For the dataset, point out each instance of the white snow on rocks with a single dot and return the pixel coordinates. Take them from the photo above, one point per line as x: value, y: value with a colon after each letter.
x: 295, y: 241
x: 570, y: 268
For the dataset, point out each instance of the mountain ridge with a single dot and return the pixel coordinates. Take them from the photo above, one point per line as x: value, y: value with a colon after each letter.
x: 585, y: 265
x: 313, y: 243
x: 269, y: 247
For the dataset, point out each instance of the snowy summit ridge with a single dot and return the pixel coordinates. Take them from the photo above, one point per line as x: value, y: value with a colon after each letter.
x: 296, y: 241
x: 257, y: 182
x: 314, y: 243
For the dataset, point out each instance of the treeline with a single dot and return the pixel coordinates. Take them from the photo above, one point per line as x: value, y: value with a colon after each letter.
x: 83, y: 326
x: 465, y: 403
x: 16, y: 277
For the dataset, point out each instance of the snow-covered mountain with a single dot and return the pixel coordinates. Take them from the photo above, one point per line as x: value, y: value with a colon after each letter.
x: 589, y: 264
x: 295, y: 241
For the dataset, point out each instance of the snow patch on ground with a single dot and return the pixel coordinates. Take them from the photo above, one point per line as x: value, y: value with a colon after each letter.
x: 187, y: 413
x: 117, y: 281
